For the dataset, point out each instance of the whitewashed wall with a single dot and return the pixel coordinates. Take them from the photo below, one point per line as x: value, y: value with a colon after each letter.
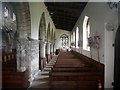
x: 36, y: 10
x: 99, y: 14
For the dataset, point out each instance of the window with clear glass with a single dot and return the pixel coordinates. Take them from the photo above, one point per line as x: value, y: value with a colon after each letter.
x: 86, y: 33
x: 14, y: 17
x: 77, y: 37
x: 6, y: 12
x: 74, y: 39
x: 64, y: 40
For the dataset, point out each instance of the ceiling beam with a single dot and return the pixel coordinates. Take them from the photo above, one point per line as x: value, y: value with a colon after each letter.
x: 65, y: 14
x: 74, y: 5
x: 64, y: 18
x: 71, y: 15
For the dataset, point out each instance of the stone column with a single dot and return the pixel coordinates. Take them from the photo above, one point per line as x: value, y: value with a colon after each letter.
x: 42, y: 49
x: 42, y: 54
x: 28, y: 57
x: 54, y: 49
x: 48, y: 52
x: 21, y: 55
x: 33, y: 58
x: 51, y: 50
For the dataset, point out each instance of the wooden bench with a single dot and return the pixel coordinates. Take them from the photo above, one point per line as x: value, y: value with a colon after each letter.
x: 95, y: 63
x: 73, y: 69
x: 74, y: 85
x: 74, y: 76
x: 75, y: 63
x: 9, y: 66
x: 81, y: 80
x: 11, y: 79
x: 8, y: 57
x: 75, y: 72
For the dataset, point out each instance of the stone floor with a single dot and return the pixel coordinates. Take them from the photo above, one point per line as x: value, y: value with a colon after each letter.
x: 42, y: 78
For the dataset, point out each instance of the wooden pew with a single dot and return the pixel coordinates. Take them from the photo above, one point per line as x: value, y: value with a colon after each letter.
x: 82, y: 73
x: 11, y: 79
x: 100, y: 67
x: 74, y: 76
x: 74, y: 85
x: 8, y: 57
x: 82, y: 79
x: 9, y: 65
x: 73, y: 69
x: 97, y: 64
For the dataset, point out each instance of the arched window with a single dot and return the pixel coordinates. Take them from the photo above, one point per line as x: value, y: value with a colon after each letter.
x: 86, y: 33
x: 9, y: 28
x: 77, y: 37
x: 6, y: 12
x: 14, y: 17
x: 64, y: 40
x: 71, y: 37
x: 74, y: 39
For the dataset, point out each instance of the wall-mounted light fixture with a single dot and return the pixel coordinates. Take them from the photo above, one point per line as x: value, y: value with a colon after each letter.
x: 109, y: 27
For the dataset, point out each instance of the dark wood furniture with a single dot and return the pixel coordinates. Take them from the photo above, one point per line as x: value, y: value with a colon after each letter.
x: 74, y: 70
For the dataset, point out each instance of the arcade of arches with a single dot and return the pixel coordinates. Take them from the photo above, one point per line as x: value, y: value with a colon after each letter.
x: 30, y: 40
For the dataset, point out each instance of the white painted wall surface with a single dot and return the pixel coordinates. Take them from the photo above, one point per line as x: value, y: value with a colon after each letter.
x: 109, y: 58
x: 36, y: 10
x: 99, y: 14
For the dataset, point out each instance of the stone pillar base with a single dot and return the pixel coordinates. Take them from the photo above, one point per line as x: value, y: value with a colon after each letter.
x: 42, y: 63
x: 48, y: 57
x: 51, y: 55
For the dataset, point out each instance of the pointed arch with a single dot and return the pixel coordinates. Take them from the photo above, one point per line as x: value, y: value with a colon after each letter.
x: 42, y: 28
x: 77, y: 37
x: 48, y: 32
x: 86, y: 33
x: 54, y: 36
x: 52, y: 33
x: 64, y: 40
x: 23, y: 17
x: 19, y: 23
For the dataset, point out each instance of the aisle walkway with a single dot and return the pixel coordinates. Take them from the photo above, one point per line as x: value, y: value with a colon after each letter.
x: 42, y: 79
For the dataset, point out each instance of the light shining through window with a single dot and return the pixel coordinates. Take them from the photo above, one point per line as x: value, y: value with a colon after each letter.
x: 86, y: 33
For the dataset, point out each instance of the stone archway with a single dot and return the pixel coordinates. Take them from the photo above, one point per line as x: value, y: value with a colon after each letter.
x: 42, y: 28
x: 42, y: 45
x: 48, y: 33
x: 23, y: 29
x: 54, y: 43
x: 48, y: 43
x: 23, y: 19
x: 51, y: 47
x: 8, y: 27
x: 24, y: 45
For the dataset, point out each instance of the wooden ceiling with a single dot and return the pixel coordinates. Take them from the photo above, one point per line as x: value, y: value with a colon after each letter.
x: 65, y: 14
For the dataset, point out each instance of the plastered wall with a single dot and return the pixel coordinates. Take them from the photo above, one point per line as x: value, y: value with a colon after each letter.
x: 100, y: 14
x: 36, y: 10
